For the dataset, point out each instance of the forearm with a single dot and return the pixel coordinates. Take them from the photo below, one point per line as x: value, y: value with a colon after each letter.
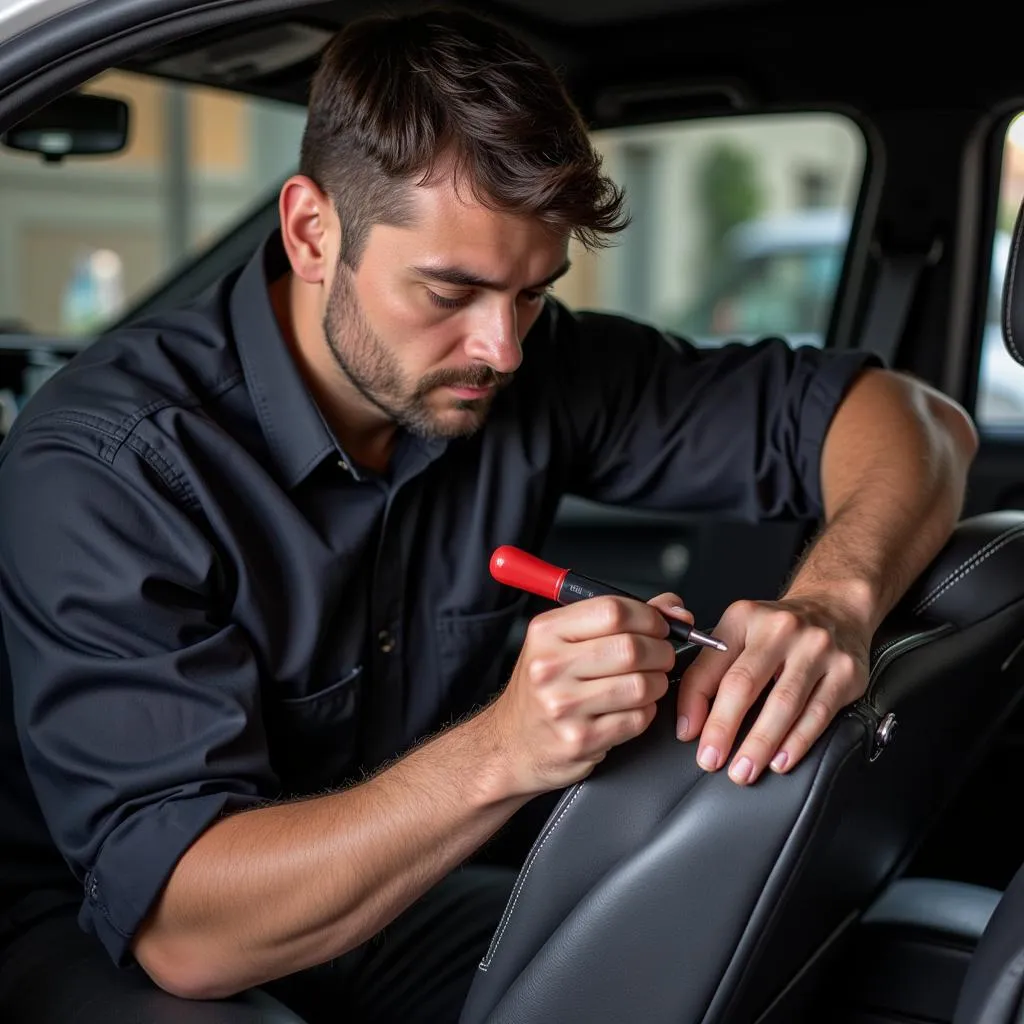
x: 893, y: 469
x: 271, y: 891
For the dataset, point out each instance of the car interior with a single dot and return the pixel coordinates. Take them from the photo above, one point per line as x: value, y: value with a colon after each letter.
x: 144, y: 142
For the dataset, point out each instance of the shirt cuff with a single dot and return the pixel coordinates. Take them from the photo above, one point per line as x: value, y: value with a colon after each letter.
x: 137, y: 859
x: 825, y: 391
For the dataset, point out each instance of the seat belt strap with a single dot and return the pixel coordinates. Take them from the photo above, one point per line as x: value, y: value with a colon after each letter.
x: 898, y: 277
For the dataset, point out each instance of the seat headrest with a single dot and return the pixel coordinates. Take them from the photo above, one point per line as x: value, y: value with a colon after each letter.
x: 1013, y: 294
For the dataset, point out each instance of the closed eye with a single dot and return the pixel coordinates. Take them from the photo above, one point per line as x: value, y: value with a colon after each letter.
x: 445, y: 303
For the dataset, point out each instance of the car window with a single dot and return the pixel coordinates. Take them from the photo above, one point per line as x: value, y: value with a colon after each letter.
x: 739, y: 226
x: 784, y: 292
x: 84, y: 239
x: 999, y: 405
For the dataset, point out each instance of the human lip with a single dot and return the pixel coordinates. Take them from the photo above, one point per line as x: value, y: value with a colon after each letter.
x: 470, y: 393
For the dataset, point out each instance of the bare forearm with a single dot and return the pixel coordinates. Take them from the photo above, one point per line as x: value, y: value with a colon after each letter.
x: 894, y: 469
x: 271, y: 891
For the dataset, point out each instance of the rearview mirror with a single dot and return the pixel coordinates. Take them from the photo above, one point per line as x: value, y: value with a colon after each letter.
x: 78, y: 124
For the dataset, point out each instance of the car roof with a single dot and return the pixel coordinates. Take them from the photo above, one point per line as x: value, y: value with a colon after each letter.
x: 626, y: 61
x: 18, y: 15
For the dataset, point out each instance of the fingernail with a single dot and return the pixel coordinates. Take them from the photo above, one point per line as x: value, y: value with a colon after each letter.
x: 741, y: 770
x: 682, y: 727
x: 678, y: 608
x: 779, y: 761
x: 708, y: 759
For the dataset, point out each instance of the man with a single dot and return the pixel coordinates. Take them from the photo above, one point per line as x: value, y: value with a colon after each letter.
x: 244, y: 558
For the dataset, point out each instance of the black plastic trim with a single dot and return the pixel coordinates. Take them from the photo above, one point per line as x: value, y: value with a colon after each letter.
x: 64, y: 51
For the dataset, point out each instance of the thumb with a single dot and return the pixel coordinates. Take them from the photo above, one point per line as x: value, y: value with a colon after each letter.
x: 671, y: 606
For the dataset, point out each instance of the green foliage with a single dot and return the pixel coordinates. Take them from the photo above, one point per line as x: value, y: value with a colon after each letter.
x: 729, y: 193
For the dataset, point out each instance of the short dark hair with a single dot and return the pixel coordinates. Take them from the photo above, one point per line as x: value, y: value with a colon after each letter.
x: 397, y: 98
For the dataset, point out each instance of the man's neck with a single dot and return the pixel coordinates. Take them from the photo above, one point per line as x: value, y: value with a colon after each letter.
x: 361, y: 430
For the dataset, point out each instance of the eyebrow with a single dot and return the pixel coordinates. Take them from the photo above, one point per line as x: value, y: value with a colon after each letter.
x: 463, y: 278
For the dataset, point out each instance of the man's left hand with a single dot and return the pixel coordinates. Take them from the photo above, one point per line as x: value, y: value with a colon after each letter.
x: 811, y: 651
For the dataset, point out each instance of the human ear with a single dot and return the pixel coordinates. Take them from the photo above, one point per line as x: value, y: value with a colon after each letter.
x: 309, y: 228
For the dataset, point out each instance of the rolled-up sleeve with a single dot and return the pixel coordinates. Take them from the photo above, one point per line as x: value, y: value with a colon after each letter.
x: 136, y: 701
x: 655, y: 421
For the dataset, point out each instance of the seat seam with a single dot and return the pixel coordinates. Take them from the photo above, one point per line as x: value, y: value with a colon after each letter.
x: 940, y: 586
x: 968, y: 566
x: 521, y: 883
x: 772, y: 912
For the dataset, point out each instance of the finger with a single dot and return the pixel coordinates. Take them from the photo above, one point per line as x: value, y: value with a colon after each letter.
x: 741, y: 685
x: 577, y: 701
x: 604, y: 616
x: 618, y: 693
x: 701, y: 680
x: 672, y: 606
x: 610, y: 730
x: 619, y: 655
x: 843, y: 683
x: 804, y: 666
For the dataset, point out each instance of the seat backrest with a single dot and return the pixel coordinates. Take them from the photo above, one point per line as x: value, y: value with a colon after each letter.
x: 993, y: 990
x: 660, y: 894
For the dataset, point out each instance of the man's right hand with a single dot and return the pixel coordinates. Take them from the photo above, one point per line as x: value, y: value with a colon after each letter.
x: 587, y: 679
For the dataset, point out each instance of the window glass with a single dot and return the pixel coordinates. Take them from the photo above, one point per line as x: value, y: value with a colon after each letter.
x: 84, y: 239
x: 999, y: 406
x: 739, y: 226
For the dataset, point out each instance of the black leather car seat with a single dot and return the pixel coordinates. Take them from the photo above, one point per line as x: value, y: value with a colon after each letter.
x: 656, y: 893
x: 993, y: 990
x: 909, y: 955
x: 935, y: 949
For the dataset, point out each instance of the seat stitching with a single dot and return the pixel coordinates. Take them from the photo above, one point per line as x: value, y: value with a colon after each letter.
x: 967, y: 568
x: 492, y: 952
x: 983, y: 552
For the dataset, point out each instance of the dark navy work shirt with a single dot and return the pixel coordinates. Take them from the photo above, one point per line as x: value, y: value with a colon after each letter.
x: 207, y: 606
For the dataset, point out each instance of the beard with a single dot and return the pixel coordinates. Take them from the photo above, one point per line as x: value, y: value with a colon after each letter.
x: 375, y: 372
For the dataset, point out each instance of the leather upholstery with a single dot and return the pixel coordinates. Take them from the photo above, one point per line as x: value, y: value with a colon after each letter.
x: 661, y: 894
x: 936, y: 905
x: 909, y: 956
x: 1013, y: 294
x: 993, y: 991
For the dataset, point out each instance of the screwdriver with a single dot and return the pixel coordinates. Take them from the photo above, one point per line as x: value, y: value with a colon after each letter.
x: 517, y: 568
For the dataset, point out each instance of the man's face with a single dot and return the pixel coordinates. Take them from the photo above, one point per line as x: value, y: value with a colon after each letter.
x: 430, y: 325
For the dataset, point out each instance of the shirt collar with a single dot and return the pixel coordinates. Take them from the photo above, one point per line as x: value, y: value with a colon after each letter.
x: 296, y: 434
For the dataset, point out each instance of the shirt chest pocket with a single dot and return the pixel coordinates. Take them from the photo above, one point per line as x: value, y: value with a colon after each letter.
x: 474, y: 654
x: 313, y: 738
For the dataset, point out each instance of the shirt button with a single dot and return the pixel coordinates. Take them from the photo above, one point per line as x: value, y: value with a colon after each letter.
x: 342, y: 464
x: 386, y: 641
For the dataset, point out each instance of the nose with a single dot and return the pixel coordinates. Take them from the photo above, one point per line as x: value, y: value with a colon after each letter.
x: 494, y: 337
